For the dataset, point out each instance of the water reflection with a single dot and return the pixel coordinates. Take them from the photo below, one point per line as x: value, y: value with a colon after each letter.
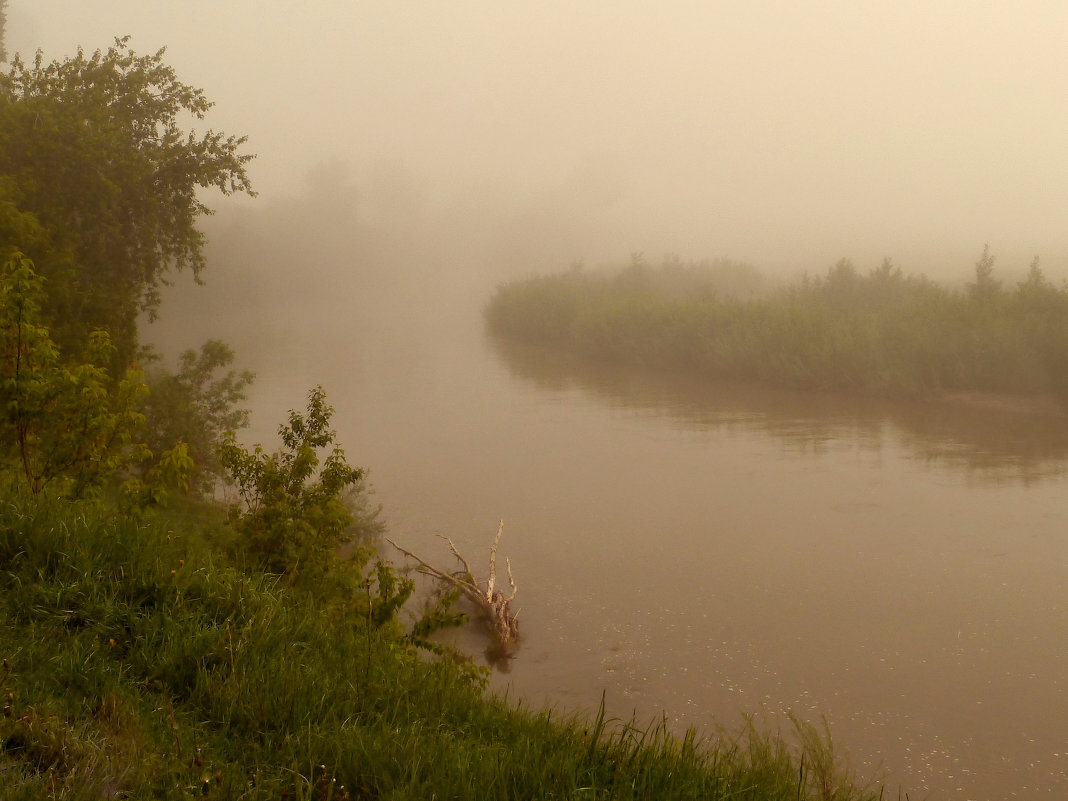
x: 990, y: 442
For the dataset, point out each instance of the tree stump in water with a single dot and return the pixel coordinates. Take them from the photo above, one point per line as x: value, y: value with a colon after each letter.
x: 493, y: 604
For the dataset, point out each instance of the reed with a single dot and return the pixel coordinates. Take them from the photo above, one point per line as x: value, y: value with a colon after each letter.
x: 880, y: 333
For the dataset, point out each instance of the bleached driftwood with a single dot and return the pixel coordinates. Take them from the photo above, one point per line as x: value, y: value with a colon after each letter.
x: 491, y: 602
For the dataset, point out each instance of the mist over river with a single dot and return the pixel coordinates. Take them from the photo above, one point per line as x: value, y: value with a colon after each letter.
x: 690, y: 549
x: 707, y: 551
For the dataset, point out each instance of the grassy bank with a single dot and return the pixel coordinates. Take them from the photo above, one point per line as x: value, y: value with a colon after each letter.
x: 880, y: 332
x: 141, y: 661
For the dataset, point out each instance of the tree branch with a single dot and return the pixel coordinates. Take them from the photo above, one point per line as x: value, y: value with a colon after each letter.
x: 491, y: 602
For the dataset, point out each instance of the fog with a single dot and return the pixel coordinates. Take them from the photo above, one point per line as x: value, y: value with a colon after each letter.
x: 410, y: 156
x: 522, y: 137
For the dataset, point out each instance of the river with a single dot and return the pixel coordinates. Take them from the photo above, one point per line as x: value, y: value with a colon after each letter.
x: 710, y: 551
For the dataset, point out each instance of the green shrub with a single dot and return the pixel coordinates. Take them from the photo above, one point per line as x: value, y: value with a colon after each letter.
x: 294, y: 520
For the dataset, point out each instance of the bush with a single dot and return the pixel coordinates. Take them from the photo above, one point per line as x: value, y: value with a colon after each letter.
x: 294, y: 521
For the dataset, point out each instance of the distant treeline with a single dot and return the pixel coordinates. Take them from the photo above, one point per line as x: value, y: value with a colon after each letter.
x: 880, y: 332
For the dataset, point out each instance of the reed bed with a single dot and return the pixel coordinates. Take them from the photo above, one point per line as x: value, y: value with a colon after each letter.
x: 878, y: 333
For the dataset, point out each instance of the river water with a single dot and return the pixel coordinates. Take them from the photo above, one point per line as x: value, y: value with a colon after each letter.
x: 709, y: 551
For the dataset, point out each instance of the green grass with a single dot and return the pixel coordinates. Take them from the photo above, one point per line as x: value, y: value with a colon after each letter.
x: 880, y: 333
x: 140, y: 661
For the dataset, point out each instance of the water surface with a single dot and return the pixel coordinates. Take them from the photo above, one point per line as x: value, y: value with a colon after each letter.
x: 707, y: 550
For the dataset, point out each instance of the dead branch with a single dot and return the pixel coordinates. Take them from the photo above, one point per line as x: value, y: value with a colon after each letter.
x: 493, y: 604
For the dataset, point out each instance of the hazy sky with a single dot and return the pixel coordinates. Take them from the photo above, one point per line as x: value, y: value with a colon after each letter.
x: 776, y: 132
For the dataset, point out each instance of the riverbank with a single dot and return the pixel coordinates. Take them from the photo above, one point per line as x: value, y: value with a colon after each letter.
x: 140, y: 660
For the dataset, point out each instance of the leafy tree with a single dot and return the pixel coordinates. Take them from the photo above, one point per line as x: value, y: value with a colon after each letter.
x: 1036, y: 293
x: 60, y: 421
x: 986, y: 287
x: 295, y: 520
x: 198, y: 405
x: 94, y: 161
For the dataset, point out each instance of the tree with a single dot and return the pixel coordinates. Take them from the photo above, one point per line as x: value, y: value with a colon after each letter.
x: 197, y: 405
x: 94, y: 164
x: 1036, y: 292
x: 60, y: 421
x: 986, y: 287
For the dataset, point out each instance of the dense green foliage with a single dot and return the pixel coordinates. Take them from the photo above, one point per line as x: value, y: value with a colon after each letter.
x: 98, y: 202
x: 295, y: 521
x: 882, y: 332
x: 65, y: 421
x: 98, y: 184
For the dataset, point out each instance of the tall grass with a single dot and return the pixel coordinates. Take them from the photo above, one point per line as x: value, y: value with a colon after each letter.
x: 882, y: 332
x: 139, y: 662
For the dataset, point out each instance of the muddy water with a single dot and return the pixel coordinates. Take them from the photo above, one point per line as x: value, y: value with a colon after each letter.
x: 708, y: 551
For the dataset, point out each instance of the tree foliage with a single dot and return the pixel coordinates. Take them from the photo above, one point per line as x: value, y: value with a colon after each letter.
x: 985, y: 287
x: 69, y: 421
x: 295, y: 519
x: 198, y: 405
x: 99, y: 183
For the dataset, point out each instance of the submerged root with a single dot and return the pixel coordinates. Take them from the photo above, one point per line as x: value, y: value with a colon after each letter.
x: 494, y: 605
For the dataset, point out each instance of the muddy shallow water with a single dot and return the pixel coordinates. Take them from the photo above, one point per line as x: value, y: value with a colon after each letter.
x: 707, y: 551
